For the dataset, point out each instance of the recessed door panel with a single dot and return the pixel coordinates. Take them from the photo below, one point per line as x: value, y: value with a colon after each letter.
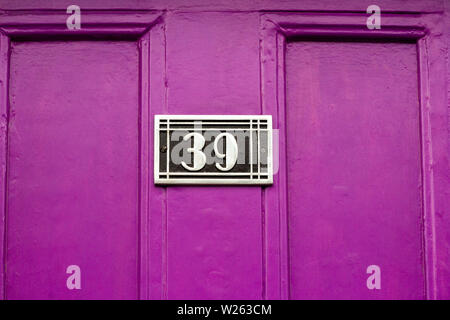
x: 354, y: 170
x: 73, y: 170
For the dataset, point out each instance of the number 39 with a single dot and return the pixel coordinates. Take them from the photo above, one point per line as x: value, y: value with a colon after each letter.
x: 231, y: 152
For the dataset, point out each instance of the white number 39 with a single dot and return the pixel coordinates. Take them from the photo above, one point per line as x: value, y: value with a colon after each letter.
x: 231, y: 152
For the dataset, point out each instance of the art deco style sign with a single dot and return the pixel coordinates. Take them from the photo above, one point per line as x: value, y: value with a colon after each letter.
x: 198, y: 149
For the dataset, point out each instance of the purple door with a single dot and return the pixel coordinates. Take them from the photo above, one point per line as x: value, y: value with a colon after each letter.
x: 359, y: 205
x: 72, y: 180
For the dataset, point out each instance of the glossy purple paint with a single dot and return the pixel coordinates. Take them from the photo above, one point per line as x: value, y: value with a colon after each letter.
x: 76, y: 135
x: 73, y: 169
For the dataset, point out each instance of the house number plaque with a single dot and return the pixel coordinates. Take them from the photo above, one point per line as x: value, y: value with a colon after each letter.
x: 198, y: 149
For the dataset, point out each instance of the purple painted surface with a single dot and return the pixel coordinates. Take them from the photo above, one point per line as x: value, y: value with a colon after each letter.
x: 354, y: 183
x: 76, y: 127
x: 213, y: 241
x: 235, y: 5
x: 72, y: 176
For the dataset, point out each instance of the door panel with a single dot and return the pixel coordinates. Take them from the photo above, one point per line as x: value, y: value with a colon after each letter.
x: 73, y: 169
x: 354, y: 169
x: 214, y: 248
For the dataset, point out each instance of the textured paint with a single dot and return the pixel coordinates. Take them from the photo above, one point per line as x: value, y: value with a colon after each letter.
x: 233, y: 5
x: 226, y: 260
x: 354, y: 184
x: 72, y: 187
x: 78, y: 117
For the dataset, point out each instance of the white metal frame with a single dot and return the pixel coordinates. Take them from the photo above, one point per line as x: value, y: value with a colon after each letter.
x: 216, y: 181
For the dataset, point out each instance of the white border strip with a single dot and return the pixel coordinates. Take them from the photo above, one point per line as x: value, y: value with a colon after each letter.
x: 212, y: 181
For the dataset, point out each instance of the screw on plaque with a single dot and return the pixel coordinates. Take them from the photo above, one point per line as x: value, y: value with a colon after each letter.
x: 163, y: 149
